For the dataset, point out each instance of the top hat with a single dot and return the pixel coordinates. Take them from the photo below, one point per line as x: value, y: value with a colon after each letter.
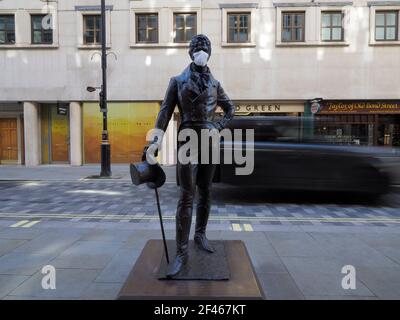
x: 143, y: 172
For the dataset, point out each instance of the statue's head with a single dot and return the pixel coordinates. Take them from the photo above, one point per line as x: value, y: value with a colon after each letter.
x: 200, y: 49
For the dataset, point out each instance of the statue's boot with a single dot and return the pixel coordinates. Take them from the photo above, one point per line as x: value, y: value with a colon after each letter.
x: 203, y: 211
x: 183, y: 222
x: 176, y: 266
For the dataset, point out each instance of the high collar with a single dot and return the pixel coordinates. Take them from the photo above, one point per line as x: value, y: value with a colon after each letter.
x: 195, y: 68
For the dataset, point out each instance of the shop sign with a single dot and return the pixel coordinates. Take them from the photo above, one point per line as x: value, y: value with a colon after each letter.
x: 360, y: 106
x: 62, y: 109
x: 315, y: 107
x: 247, y: 108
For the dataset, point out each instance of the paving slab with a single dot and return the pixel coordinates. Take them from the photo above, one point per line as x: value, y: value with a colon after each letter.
x: 49, y: 243
x: 23, y: 263
x: 349, y: 250
x: 117, y: 270
x: 279, y: 286
x: 87, y: 255
x: 295, y: 244
x: 7, y: 245
x: 8, y: 283
x: 319, y: 276
x: 102, y: 291
x: 383, y: 282
x: 107, y: 235
x: 340, y: 298
x: 21, y: 233
x: 70, y: 283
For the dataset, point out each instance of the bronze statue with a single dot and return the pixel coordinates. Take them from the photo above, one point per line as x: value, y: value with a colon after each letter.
x: 196, y: 93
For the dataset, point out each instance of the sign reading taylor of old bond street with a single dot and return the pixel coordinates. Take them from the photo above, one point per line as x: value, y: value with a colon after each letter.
x: 360, y: 107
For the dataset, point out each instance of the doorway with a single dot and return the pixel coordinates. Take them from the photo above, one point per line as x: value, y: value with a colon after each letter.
x: 55, y: 135
x: 8, y: 141
x: 388, y: 130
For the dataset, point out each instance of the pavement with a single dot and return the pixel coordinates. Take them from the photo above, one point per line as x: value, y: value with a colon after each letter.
x: 92, y: 231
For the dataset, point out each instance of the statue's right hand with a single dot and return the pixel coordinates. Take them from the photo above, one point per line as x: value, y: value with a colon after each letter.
x: 151, y: 147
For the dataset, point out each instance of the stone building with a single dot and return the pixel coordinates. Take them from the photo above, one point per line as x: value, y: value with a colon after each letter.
x: 273, y: 57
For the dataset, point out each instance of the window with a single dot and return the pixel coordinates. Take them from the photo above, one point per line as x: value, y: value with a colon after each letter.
x: 185, y: 26
x: 147, y: 28
x: 332, y: 29
x: 92, y: 29
x: 386, y: 25
x: 239, y: 27
x: 293, y: 26
x: 7, y: 29
x: 42, y: 33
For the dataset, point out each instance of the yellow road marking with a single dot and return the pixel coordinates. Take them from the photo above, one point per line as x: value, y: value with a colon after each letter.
x: 212, y: 218
x: 20, y: 223
x: 30, y: 224
x: 236, y: 227
x: 247, y: 227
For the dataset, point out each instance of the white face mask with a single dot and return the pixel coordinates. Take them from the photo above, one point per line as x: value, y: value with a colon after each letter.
x: 200, y: 58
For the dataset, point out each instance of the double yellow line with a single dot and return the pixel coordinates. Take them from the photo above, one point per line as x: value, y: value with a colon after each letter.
x: 117, y: 217
x: 25, y: 224
x: 246, y: 227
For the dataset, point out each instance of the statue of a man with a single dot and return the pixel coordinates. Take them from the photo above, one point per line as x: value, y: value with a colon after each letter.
x: 196, y: 93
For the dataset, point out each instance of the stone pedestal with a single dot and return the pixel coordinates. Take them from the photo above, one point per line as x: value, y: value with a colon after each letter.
x: 143, y: 281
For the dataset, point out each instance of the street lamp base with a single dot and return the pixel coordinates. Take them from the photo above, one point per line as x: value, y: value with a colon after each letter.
x: 105, y: 159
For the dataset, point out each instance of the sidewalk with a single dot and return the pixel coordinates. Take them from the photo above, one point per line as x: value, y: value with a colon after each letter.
x: 303, y: 262
x: 67, y: 172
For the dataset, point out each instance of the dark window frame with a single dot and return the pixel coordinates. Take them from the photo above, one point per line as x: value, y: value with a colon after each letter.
x: 6, y: 31
x: 238, y: 28
x: 331, y: 26
x: 41, y: 30
x: 94, y: 30
x: 385, y: 26
x: 293, y: 26
x: 185, y: 28
x: 137, y: 16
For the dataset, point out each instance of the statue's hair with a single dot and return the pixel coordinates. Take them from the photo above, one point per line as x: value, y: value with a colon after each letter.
x: 197, y: 40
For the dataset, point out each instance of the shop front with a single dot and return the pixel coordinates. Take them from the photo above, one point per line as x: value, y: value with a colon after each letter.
x: 54, y: 126
x: 371, y: 123
x: 128, y: 124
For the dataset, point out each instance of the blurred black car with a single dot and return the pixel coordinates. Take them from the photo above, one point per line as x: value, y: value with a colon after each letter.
x: 286, y: 158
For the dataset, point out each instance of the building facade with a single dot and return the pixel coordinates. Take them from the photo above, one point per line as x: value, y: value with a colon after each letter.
x: 273, y: 57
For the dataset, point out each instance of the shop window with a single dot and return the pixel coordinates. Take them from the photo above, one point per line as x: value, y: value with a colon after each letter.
x: 331, y: 26
x: 7, y: 29
x: 147, y: 28
x: 293, y: 26
x: 184, y: 26
x: 42, y: 33
x: 386, y: 25
x: 92, y: 29
x: 239, y: 27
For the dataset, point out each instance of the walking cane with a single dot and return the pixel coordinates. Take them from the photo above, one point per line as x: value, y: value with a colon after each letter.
x: 162, y: 226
